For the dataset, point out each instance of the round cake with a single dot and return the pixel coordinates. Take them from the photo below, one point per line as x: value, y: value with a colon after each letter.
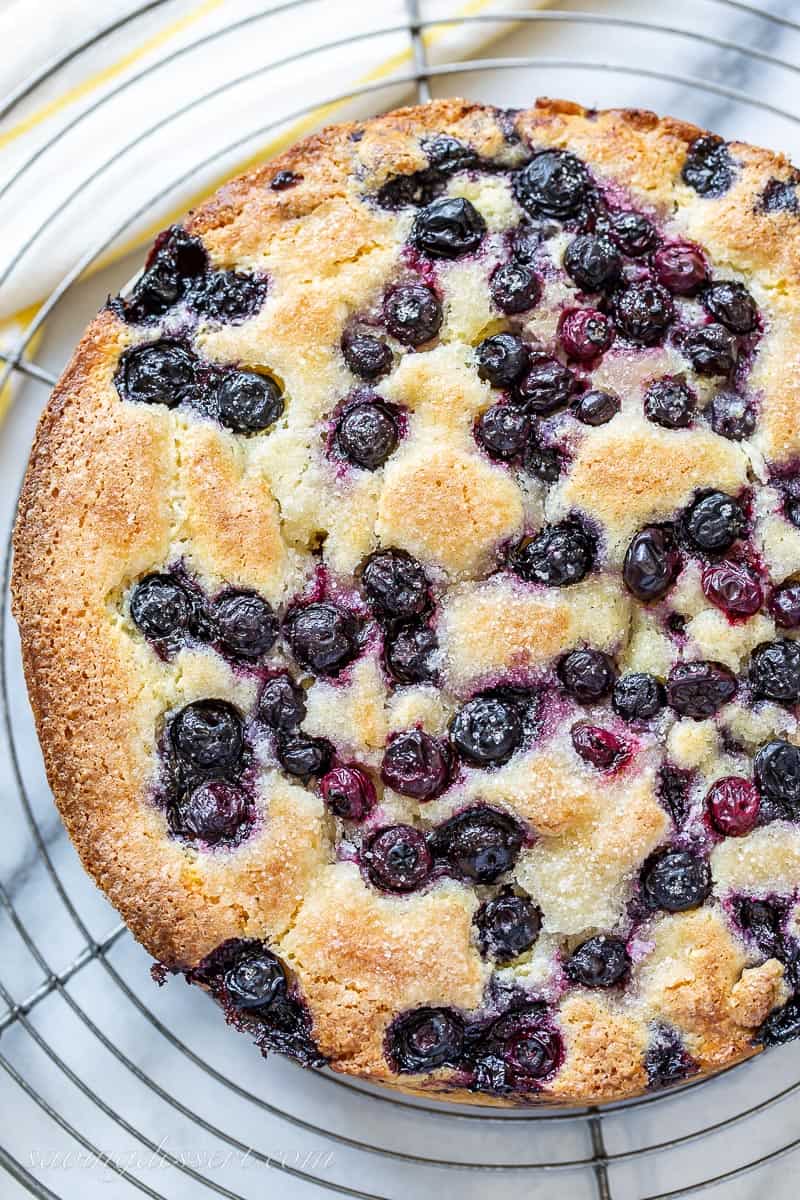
x: 408, y: 576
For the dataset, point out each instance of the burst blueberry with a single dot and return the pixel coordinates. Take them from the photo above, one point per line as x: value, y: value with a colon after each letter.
x: 733, y: 588
x: 700, y: 689
x: 708, y: 168
x: 322, y: 637
x: 776, y: 768
x: 303, y: 756
x: 598, y: 746
x: 448, y: 228
x: 638, y: 696
x: 479, y: 844
x: 366, y: 356
x: 395, y: 583
x: 425, y: 1039
x: 587, y: 675
x: 651, y: 563
x: 348, y: 792
x: 255, y: 981
x: 784, y: 605
x: 161, y: 607
x: 733, y: 805
x: 731, y: 304
x: 515, y: 288
x: 775, y: 671
x: 208, y: 735
x: 584, y: 333
x: 246, y: 624
x: 543, y: 462
x: 559, y: 556
x: 643, y: 312
x: 161, y: 372
x: 228, y: 297
x: 553, y: 184
x: 681, y: 267
x: 666, y: 1059
x: 732, y: 416
x: 711, y: 349
x: 411, y: 653
x: 632, y: 232
x: 282, y: 703
x: 416, y: 764
x: 397, y: 858
x: 669, y: 402
x: 714, y: 522
x: 545, y: 387
x: 214, y: 811
x: 782, y: 1025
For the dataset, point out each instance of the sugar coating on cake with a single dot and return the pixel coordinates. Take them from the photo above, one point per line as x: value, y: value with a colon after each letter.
x: 408, y: 576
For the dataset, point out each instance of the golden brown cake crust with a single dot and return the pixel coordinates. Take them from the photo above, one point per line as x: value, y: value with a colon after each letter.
x: 115, y: 490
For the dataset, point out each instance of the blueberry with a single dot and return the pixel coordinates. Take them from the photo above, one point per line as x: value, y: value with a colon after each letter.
x: 502, y: 359
x: 782, y: 1025
x: 546, y: 386
x: 447, y: 154
x: 414, y: 189
x: 348, y: 792
x: 733, y: 588
x: 303, y: 756
x: 643, y: 312
x: 553, y: 184
x: 527, y: 1051
x: 710, y: 349
x: 214, y: 811
x: 775, y: 671
x: 593, y: 263
x: 283, y: 180
x: 732, y: 416
x: 366, y: 356
x: 708, y: 167
x: 733, y: 804
x: 599, y: 962
x: 424, y: 1039
x: 416, y: 764
x: 638, y: 696
x: 558, y: 557
x: 410, y: 653
x: 367, y: 434
x: 157, y: 373
x: 599, y: 747
x: 714, y: 522
x: 228, y: 297
x: 596, y: 407
x: 681, y: 267
x: 395, y: 583
x: 541, y: 461
x: 776, y: 768
x: 762, y: 921
x: 486, y: 730
x: 479, y: 843
x: 791, y: 510
x: 322, y: 637
x: 732, y: 305
x: 632, y: 232
x: 174, y: 260
x: 507, y: 926
x: 670, y: 403
x: 700, y: 689
x: 526, y: 241
x: 246, y: 624
x: 675, y: 880
x: 412, y: 314
x: 256, y: 980
x: 587, y: 675
x: 397, y: 858
x: 448, y: 228
x: 584, y: 332
x: 515, y: 288
x: 502, y: 431
x: 282, y: 704
x: 785, y: 605
x: 666, y: 1059
x: 674, y: 792
x: 248, y: 402
x: 161, y: 607
x: 208, y: 735
x: 780, y: 195
x: 651, y: 563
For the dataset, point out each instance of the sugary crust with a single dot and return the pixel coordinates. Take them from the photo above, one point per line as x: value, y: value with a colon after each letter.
x: 115, y: 490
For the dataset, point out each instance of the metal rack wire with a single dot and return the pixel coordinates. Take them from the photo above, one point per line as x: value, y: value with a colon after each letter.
x: 527, y: 1141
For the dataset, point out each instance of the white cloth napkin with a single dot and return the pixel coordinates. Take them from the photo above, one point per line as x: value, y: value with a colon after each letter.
x: 62, y: 211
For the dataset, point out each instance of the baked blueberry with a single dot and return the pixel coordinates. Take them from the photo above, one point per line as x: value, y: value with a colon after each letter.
x: 395, y: 583
x: 507, y: 926
x: 366, y: 356
x: 502, y: 359
x: 414, y: 189
x: 246, y: 624
x: 256, y: 980
x: 638, y: 696
x: 681, y: 267
x: 416, y: 764
x: 282, y: 703
x: 174, y: 259
x: 157, y: 373
x: 367, y: 433
x: 599, y: 747
x: 502, y: 431
x: 541, y: 461
x: 283, y: 180
x: 674, y: 788
x: 584, y: 332
x: 411, y: 653
x: 303, y: 756
x: 214, y: 811
x: 447, y: 154
x: 731, y: 304
x: 791, y: 510
x: 776, y: 768
x: 599, y: 962
x: 593, y: 263
x: 710, y: 349
x: 587, y: 675
x: 161, y: 607
x: 732, y: 416
x: 596, y: 407
x: 526, y: 241
x: 670, y: 403
x: 348, y: 792
x: 733, y: 588
x: 412, y: 313
x: 559, y: 556
x: 708, y: 167
x: 651, y: 563
x: 545, y: 387
x: 632, y: 232
x: 780, y: 195
x: 763, y: 922
x: 228, y: 297
x: 208, y: 735
x: 486, y: 730
x: 782, y: 1025
x: 785, y: 605
x: 424, y: 1039
x: 714, y: 522
x: 527, y: 1050
x: 248, y: 402
x: 448, y: 228
x: 553, y: 184
x: 733, y: 804
x: 479, y: 843
x: 700, y: 689
x: 322, y: 637
x: 515, y: 287
x: 643, y: 312
x: 675, y: 880
x: 397, y: 858
x: 775, y: 671
x: 666, y: 1059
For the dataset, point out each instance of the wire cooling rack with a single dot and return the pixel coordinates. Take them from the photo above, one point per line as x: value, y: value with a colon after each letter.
x: 108, y: 1084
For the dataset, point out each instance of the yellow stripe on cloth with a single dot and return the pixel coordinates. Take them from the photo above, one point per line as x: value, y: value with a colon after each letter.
x: 11, y: 331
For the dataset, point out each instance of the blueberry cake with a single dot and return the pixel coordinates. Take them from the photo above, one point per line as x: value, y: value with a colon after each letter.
x: 408, y: 575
